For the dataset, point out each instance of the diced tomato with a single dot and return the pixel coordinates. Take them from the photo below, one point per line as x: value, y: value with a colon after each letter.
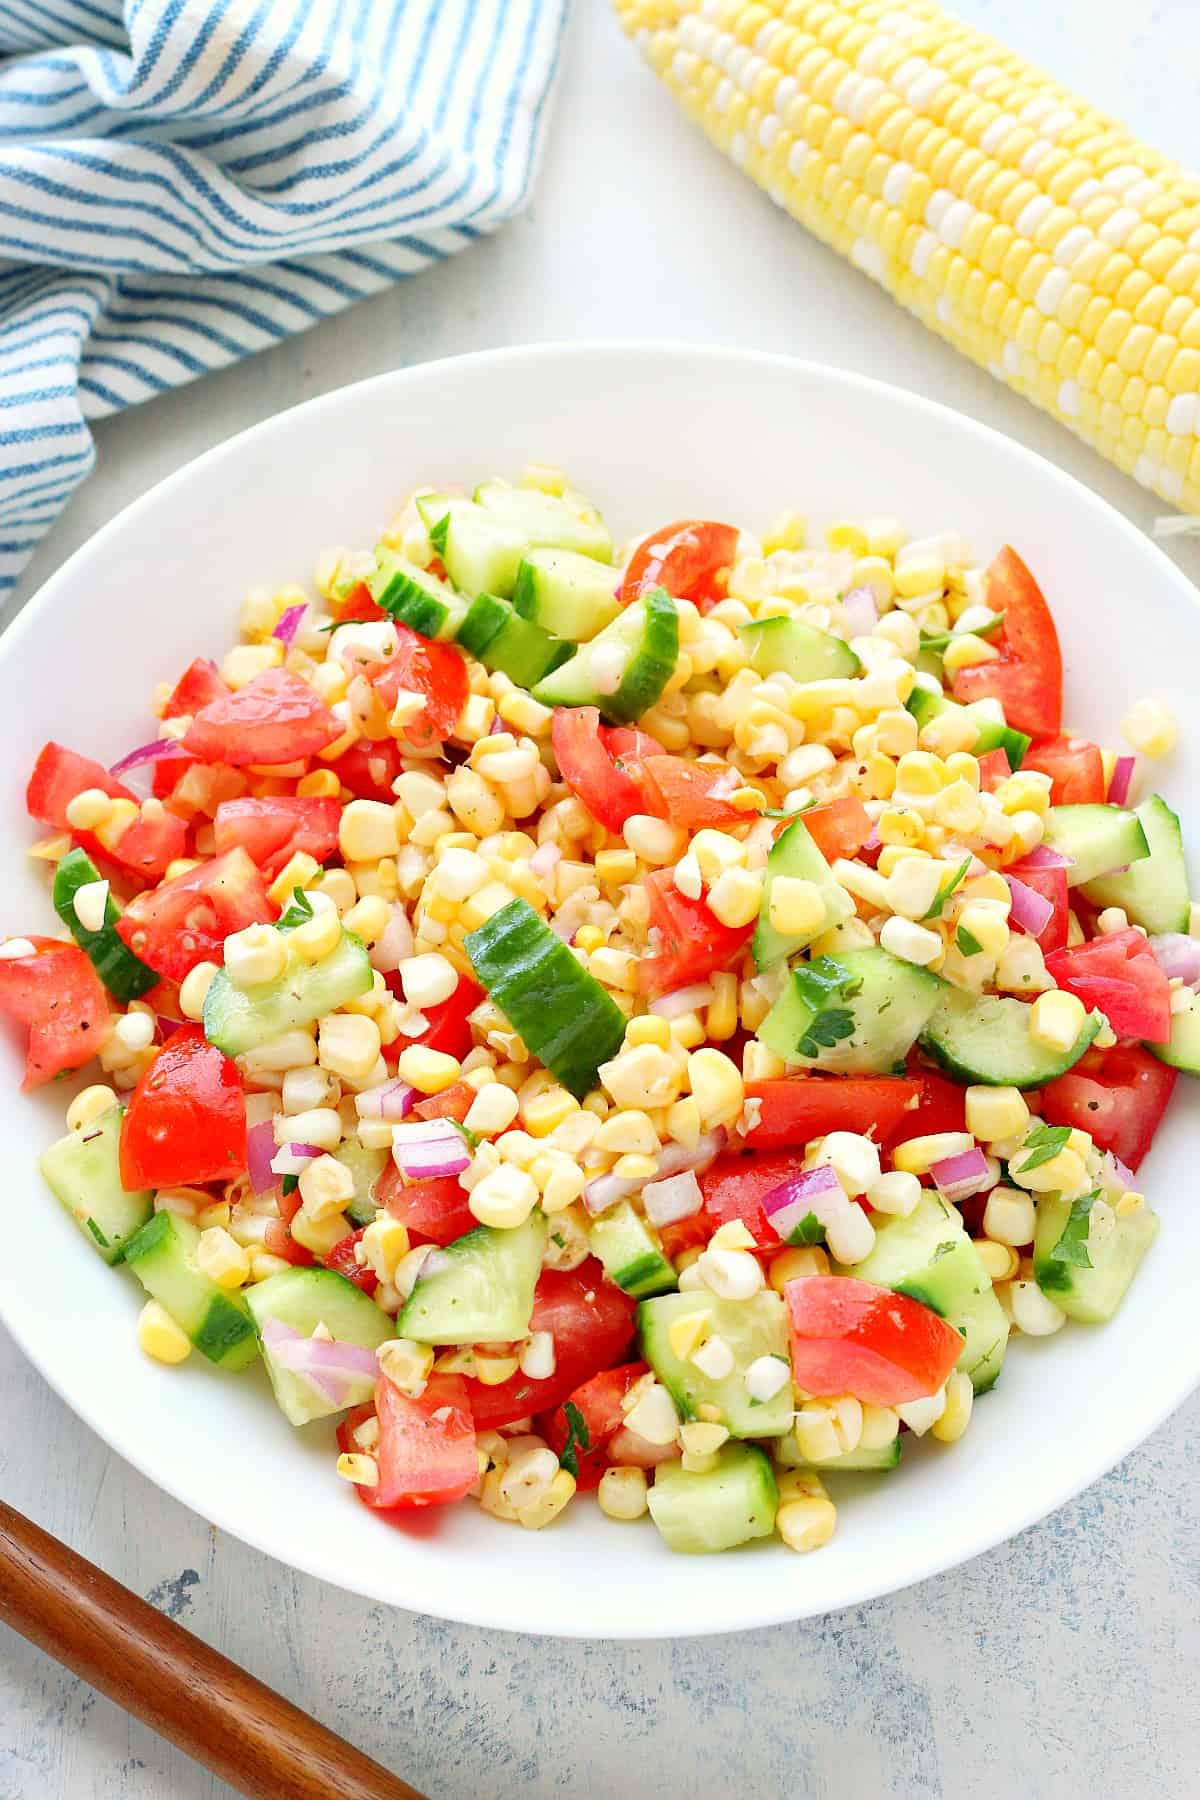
x: 200, y: 789
x: 628, y: 1449
x: 341, y: 1258
x: 58, y: 775
x: 840, y: 828
x: 278, y: 1240
x: 426, y: 1451
x: 735, y: 1186
x: 166, y: 772
x: 851, y: 1337
x: 422, y: 666
x: 447, y: 1029
x: 273, y: 829
x: 591, y: 1322
x: 994, y: 768
x: 186, y: 921
x: 1075, y: 768
x: 694, y: 794
x: 1051, y: 884
x: 186, y: 1121
x: 146, y: 848
x: 200, y: 684
x: 1119, y: 974
x: 1117, y: 1095
x: 276, y: 718
x: 690, y: 559
x: 687, y: 1234
x: 435, y: 1209
x: 58, y: 995
x: 358, y: 604
x: 368, y: 769
x: 941, y: 1106
x: 605, y: 766
x: 796, y: 1108
x: 692, y: 942
x: 453, y: 1102
x: 598, y: 1403
x: 1027, y: 676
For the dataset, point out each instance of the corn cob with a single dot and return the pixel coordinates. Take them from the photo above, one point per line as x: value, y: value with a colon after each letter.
x: 1029, y: 230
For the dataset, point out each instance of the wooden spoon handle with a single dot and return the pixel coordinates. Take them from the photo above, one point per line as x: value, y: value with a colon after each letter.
x: 248, y: 1735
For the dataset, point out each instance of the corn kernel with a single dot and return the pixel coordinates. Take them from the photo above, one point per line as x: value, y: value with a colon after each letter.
x: 796, y: 1265
x: 795, y: 907
x: 806, y: 1524
x: 428, y: 1070
x: 159, y: 1336
x: 317, y: 937
x: 996, y: 1112
x: 1064, y: 1173
x: 622, y: 1493
x: 916, y: 1156
x: 88, y: 809
x: 299, y: 870
x: 1151, y: 727
x: 956, y: 1414
x: 1056, y: 1019
x: 354, y: 1466
x: 717, y: 1087
x: 656, y: 841
x: 222, y: 1259
x: 89, y: 1105
x: 504, y: 1198
x: 348, y: 1044
x: 735, y: 897
x: 367, y: 831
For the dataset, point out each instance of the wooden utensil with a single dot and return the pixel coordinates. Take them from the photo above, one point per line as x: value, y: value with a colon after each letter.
x: 252, y: 1738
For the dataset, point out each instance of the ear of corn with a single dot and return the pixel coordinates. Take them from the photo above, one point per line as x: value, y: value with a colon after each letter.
x: 1026, y: 228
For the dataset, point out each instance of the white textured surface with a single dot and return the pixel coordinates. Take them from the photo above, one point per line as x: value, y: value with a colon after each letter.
x: 1060, y: 1659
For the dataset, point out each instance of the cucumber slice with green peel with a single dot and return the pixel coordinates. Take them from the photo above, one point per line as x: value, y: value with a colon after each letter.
x: 752, y: 1328
x: 853, y: 1014
x: 985, y: 1038
x: 1154, y: 892
x: 631, y: 1254
x: 238, y: 1019
x: 481, y: 1288
x: 794, y: 854
x: 366, y: 1166
x: 1084, y: 1271
x: 83, y: 1171
x: 929, y: 1257
x: 163, y: 1257
x: 562, y: 1014
x: 303, y: 1299
x: 790, y: 647
x: 486, y: 618
x: 724, y: 1506
x: 1098, y: 839
x: 415, y: 598
x: 501, y: 640
x: 479, y: 553
x: 925, y: 705
x: 570, y: 595
x: 625, y: 667
x: 1182, y: 1051
x: 546, y: 522
x: 125, y: 975
x: 787, y: 1455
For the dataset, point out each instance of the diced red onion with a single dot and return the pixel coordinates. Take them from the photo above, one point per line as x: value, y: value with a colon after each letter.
x: 1043, y: 857
x: 562, y: 928
x: 1178, y: 956
x: 289, y: 623
x: 436, y: 1263
x: 809, y: 1192
x: 147, y: 753
x: 870, y: 851
x: 431, y: 1147
x: 544, y: 858
x: 497, y: 726
x: 605, y: 1190
x: 1031, y: 911
x: 396, y: 944
x: 860, y: 613
x: 344, y: 1373
x: 391, y: 1102
x: 260, y: 1148
x: 967, y: 1173
x: 167, y: 1027
x: 293, y: 1159
x: 673, y: 1198
x: 683, y: 1000
x: 1122, y: 778
x: 1115, y: 1176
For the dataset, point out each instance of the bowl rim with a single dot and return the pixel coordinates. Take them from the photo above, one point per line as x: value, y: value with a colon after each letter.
x: 1177, y: 1385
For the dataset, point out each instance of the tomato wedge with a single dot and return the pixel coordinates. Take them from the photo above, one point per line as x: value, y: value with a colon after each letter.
x: 426, y: 1451
x: 1075, y: 768
x: 186, y: 1121
x: 851, y: 1337
x: 434, y: 1210
x: 369, y: 769
x: 1051, y: 884
x: 994, y: 768
x: 200, y: 684
x: 591, y: 1322
x: 694, y: 794
x: 359, y: 604
x: 58, y: 775
x: 272, y: 829
x: 1117, y: 1095
x: 186, y: 921
x: 794, y: 1109
x: 1119, y: 974
x: 941, y: 1106
x: 734, y: 1188
x: 1027, y: 677
x: 436, y: 671
x: 840, y: 828
x: 276, y: 718
x: 448, y: 1029
x: 341, y: 1258
x: 598, y: 1403
x: 58, y: 995
x: 690, y: 559
x: 454, y: 1102
x: 692, y: 942
x: 604, y: 766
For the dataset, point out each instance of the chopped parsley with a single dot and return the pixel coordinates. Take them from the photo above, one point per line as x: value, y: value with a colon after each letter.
x: 289, y: 1184
x: 825, y: 1030
x: 809, y: 1231
x: 944, y: 893
x: 967, y: 942
x: 578, y: 1438
x: 300, y: 910
x: 1044, y: 1143
x: 1071, y: 1250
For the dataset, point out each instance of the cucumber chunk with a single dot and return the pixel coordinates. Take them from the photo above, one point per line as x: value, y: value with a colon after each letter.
x: 546, y: 522
x: 726, y: 1506
x: 562, y: 1014
x: 986, y: 1038
x: 481, y: 1288
x: 304, y: 1299
x: 163, y: 1257
x: 789, y: 647
x: 125, y: 975
x: 237, y: 1019
x: 794, y: 854
x: 752, y: 1328
x: 788, y: 1455
x: 631, y: 1254
x: 625, y: 667
x: 1154, y: 892
x: 1089, y: 1291
x: 501, y: 640
x: 854, y: 1014
x: 416, y: 598
x: 366, y: 1166
x: 83, y: 1171
x: 478, y: 552
x: 1098, y: 839
x: 992, y: 735
x: 565, y: 593
x: 1182, y: 1051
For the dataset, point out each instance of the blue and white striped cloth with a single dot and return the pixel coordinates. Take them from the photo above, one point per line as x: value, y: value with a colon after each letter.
x: 184, y: 182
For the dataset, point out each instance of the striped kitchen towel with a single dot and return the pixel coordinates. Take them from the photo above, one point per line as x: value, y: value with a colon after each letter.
x: 184, y: 182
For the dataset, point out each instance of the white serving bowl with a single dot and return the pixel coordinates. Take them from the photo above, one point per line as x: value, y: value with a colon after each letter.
x: 652, y: 433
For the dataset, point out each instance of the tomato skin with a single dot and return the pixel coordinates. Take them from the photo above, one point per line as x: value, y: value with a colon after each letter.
x: 272, y: 829
x: 591, y: 1322
x: 199, y: 789
x: 423, y: 1459
x: 1075, y: 768
x: 147, y: 847
x: 186, y: 1121
x: 359, y: 604
x: 454, y: 1102
x: 686, y: 1234
x: 434, y: 1209
x: 840, y: 828
x: 798, y: 1108
x: 851, y: 1337
x: 1118, y: 973
x: 1117, y: 1095
x: 994, y: 768
x: 693, y: 941
x: 369, y: 769
x: 1027, y: 678
x: 57, y: 993
x: 423, y: 666
x: 604, y: 766
x: 341, y: 1258
x: 687, y: 558
x: 200, y: 684
x: 278, y: 1240
x: 186, y: 921
x: 276, y: 718
x: 58, y: 775
x: 598, y: 1402
x: 941, y: 1106
x: 694, y: 794
x: 735, y: 1185
x: 448, y: 1029
x: 1051, y: 884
